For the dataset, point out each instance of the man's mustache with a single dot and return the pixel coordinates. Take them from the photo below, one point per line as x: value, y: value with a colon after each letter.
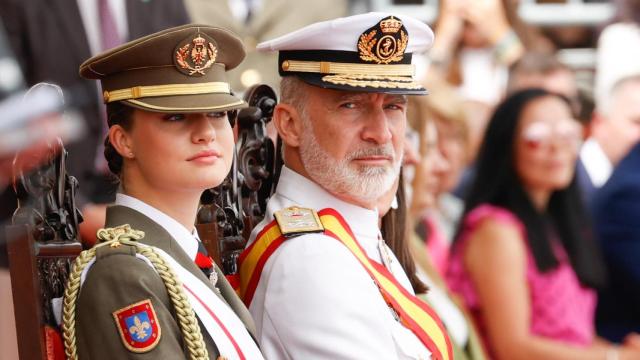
x: 385, y: 150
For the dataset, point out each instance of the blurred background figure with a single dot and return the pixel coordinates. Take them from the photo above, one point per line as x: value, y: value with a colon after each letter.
x: 51, y: 39
x: 618, y: 50
x: 615, y: 208
x: 409, y: 247
x: 476, y: 43
x: 32, y: 122
x: 524, y: 261
x: 614, y: 129
x: 443, y: 154
x: 259, y: 20
x: 543, y: 70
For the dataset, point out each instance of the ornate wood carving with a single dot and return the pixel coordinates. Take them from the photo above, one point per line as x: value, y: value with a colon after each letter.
x: 42, y: 242
x: 229, y: 212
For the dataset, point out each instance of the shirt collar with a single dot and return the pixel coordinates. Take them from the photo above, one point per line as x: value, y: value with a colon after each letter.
x: 301, y: 190
x: 595, y: 162
x: 188, y: 240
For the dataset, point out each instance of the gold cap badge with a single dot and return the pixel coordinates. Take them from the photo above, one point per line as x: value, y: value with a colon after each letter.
x: 195, y: 55
x: 384, y: 43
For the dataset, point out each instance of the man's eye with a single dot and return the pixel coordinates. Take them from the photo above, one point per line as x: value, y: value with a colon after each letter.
x: 394, y: 107
x: 217, y: 115
x: 174, y: 117
x: 348, y: 105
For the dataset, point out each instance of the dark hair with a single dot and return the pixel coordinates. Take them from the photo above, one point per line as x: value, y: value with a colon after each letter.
x: 394, y: 230
x: 496, y: 182
x: 117, y: 114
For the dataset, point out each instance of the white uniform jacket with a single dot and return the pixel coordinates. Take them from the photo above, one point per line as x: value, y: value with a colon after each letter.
x: 315, y: 300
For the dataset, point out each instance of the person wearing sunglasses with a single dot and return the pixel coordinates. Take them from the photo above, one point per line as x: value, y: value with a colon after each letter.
x: 524, y: 260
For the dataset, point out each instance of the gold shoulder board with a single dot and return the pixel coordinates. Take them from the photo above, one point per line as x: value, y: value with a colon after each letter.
x: 297, y: 220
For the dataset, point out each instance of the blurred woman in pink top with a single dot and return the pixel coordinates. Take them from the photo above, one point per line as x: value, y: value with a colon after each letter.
x: 524, y: 260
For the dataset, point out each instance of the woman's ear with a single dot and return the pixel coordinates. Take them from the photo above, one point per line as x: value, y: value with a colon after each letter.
x: 121, y: 141
x: 287, y: 121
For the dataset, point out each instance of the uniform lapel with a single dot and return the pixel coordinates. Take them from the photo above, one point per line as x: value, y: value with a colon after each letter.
x: 154, y: 235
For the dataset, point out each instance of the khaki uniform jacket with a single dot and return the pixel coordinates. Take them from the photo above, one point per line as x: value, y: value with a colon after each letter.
x: 118, y: 279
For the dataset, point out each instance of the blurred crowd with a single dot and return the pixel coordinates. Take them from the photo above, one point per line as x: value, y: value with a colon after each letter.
x: 518, y: 202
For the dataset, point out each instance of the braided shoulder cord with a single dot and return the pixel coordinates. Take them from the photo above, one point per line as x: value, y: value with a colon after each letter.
x: 115, y: 237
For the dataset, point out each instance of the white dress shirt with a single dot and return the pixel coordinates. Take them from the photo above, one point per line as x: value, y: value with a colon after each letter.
x: 188, y: 240
x: 596, y: 162
x: 315, y: 300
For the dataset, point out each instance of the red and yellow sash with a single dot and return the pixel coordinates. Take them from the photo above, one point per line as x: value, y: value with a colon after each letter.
x: 414, y: 313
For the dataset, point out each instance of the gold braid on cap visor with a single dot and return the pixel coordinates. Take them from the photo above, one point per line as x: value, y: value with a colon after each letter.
x: 377, y: 76
x: 326, y: 67
x: 373, y: 81
x: 166, y: 90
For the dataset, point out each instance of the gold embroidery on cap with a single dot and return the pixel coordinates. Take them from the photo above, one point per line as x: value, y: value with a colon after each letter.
x: 384, y: 43
x: 373, y: 81
x: 194, y: 57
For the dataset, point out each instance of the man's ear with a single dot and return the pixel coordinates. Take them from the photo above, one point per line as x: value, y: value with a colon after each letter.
x: 288, y: 123
x: 121, y: 141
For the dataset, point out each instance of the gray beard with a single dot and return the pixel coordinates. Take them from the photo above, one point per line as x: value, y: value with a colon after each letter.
x: 340, y: 177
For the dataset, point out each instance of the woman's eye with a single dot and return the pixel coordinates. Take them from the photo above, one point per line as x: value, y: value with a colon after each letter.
x: 174, y: 117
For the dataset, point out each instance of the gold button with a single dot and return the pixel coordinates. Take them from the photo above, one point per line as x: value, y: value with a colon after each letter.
x: 285, y: 65
x: 105, y: 96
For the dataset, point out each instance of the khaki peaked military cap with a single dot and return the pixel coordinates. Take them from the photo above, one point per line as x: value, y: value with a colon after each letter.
x: 368, y: 52
x: 182, y: 69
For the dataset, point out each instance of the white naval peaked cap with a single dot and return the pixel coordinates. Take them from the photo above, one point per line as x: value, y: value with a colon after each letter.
x: 369, y: 52
x: 343, y: 33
